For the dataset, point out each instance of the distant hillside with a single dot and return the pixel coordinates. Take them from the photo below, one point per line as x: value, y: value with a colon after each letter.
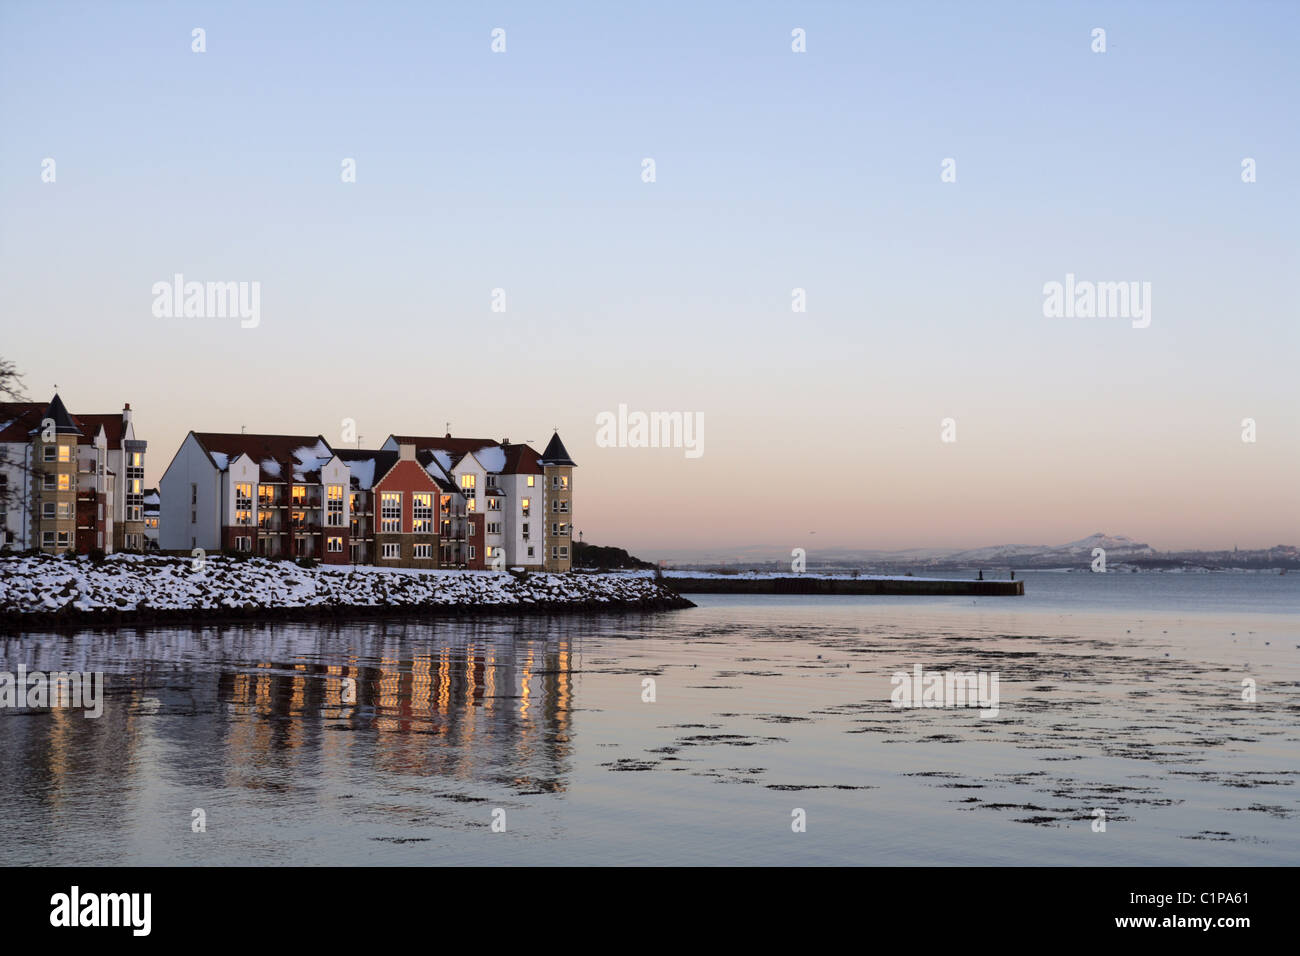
x: 604, y: 558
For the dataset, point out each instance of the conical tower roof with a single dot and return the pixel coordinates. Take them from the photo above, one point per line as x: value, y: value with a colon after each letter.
x: 556, y: 453
x: 63, y: 422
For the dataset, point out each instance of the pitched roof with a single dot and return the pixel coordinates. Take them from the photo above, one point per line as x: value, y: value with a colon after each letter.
x: 437, y: 470
x: 112, y: 424
x: 367, y: 467
x: 279, y: 457
x: 18, y: 420
x: 456, y: 446
x: 521, y: 460
x: 494, y: 456
x: 556, y: 454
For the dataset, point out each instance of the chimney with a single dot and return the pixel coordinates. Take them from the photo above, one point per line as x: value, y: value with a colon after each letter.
x: 406, y: 453
x: 126, y: 412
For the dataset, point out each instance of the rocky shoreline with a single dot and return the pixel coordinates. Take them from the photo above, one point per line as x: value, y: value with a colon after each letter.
x: 42, y: 592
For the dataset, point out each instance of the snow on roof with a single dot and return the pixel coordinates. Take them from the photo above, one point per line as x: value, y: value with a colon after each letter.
x: 312, y: 458
x: 363, y: 471
x: 492, y: 458
x: 271, y: 467
x: 221, y: 458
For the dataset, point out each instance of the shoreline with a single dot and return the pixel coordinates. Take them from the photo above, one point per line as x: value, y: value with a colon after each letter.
x: 44, y: 592
x: 18, y: 623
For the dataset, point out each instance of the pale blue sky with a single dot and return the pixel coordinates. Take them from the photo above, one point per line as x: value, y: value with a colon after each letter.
x: 774, y: 170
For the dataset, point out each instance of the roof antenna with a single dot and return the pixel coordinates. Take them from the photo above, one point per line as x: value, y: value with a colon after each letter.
x: 243, y: 429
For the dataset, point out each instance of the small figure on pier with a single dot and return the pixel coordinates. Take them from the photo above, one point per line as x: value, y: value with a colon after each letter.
x: 981, y: 575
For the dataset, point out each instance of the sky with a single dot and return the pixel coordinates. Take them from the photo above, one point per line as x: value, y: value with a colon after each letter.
x: 774, y: 170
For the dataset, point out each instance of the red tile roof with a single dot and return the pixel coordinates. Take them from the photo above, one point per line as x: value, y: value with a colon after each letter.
x: 18, y: 419
x: 112, y: 424
x: 520, y: 459
x: 446, y: 443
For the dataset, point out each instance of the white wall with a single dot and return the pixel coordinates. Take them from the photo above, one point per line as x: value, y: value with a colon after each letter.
x: 19, y: 523
x: 175, y: 531
x: 516, y: 487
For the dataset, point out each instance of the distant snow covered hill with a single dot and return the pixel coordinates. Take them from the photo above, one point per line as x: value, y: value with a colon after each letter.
x: 1115, y: 546
x: 1120, y: 550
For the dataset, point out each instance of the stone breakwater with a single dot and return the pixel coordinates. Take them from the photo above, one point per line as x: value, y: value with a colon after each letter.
x: 828, y: 584
x: 43, y: 591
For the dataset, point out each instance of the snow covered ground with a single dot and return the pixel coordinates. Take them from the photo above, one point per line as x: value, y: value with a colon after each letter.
x: 134, y: 583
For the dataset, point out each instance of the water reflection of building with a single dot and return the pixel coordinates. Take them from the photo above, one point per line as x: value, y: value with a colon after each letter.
x: 486, y: 710
x: 453, y: 707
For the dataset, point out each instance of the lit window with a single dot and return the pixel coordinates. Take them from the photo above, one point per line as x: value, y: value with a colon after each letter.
x: 65, y: 482
x: 532, y: 480
x: 334, y: 507
x: 334, y: 544
x: 390, y: 511
x: 422, y: 512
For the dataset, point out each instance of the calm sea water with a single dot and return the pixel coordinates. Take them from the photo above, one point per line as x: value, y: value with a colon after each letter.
x: 1120, y: 693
